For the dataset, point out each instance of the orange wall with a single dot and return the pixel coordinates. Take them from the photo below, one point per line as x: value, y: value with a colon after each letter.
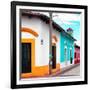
x: 40, y: 71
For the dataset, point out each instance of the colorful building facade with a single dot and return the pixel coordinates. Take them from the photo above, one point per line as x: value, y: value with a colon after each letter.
x: 35, y: 46
x: 66, y: 50
x: 77, y: 54
x: 35, y: 41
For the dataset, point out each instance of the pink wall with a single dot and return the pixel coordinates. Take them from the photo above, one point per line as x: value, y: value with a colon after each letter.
x: 77, y: 55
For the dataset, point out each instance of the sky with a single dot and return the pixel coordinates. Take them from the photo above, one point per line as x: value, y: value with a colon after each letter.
x: 67, y: 20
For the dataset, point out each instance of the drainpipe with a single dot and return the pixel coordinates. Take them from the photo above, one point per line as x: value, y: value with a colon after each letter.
x: 50, y: 45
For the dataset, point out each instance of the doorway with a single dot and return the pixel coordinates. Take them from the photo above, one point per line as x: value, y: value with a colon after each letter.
x: 71, y: 56
x: 53, y: 56
x: 26, y: 57
x: 65, y: 55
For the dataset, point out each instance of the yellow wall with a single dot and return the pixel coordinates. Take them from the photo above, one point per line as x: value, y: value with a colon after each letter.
x: 40, y: 71
x: 36, y: 71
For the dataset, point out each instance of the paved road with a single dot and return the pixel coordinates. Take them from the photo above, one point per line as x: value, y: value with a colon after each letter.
x: 75, y: 71
x: 72, y: 72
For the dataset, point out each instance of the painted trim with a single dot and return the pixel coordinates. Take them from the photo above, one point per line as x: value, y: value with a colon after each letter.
x: 28, y: 30
x: 53, y: 44
x: 70, y: 48
x: 55, y: 38
x: 65, y: 47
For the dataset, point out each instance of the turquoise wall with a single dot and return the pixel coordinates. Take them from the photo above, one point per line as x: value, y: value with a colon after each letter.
x: 69, y: 43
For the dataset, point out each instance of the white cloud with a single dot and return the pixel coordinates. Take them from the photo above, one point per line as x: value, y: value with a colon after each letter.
x: 66, y: 18
x: 65, y: 22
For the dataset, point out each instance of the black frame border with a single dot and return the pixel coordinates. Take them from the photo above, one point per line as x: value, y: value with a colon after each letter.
x: 13, y: 44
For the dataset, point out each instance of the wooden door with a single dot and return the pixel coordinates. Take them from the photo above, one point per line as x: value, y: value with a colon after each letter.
x: 53, y: 57
x: 26, y: 57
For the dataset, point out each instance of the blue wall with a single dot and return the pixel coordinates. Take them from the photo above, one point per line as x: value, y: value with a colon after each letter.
x: 69, y: 43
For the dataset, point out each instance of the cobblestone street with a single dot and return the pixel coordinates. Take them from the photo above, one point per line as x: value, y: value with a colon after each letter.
x: 72, y: 72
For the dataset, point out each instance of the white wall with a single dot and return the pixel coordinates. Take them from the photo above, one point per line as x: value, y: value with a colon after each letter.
x: 57, y: 34
x: 5, y: 44
x: 45, y: 33
x: 41, y: 51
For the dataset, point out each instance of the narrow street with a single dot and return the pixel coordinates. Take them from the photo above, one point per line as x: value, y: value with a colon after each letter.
x: 74, y: 71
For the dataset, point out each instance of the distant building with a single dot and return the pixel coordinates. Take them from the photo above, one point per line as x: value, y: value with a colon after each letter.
x: 77, y: 54
x: 66, y: 49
